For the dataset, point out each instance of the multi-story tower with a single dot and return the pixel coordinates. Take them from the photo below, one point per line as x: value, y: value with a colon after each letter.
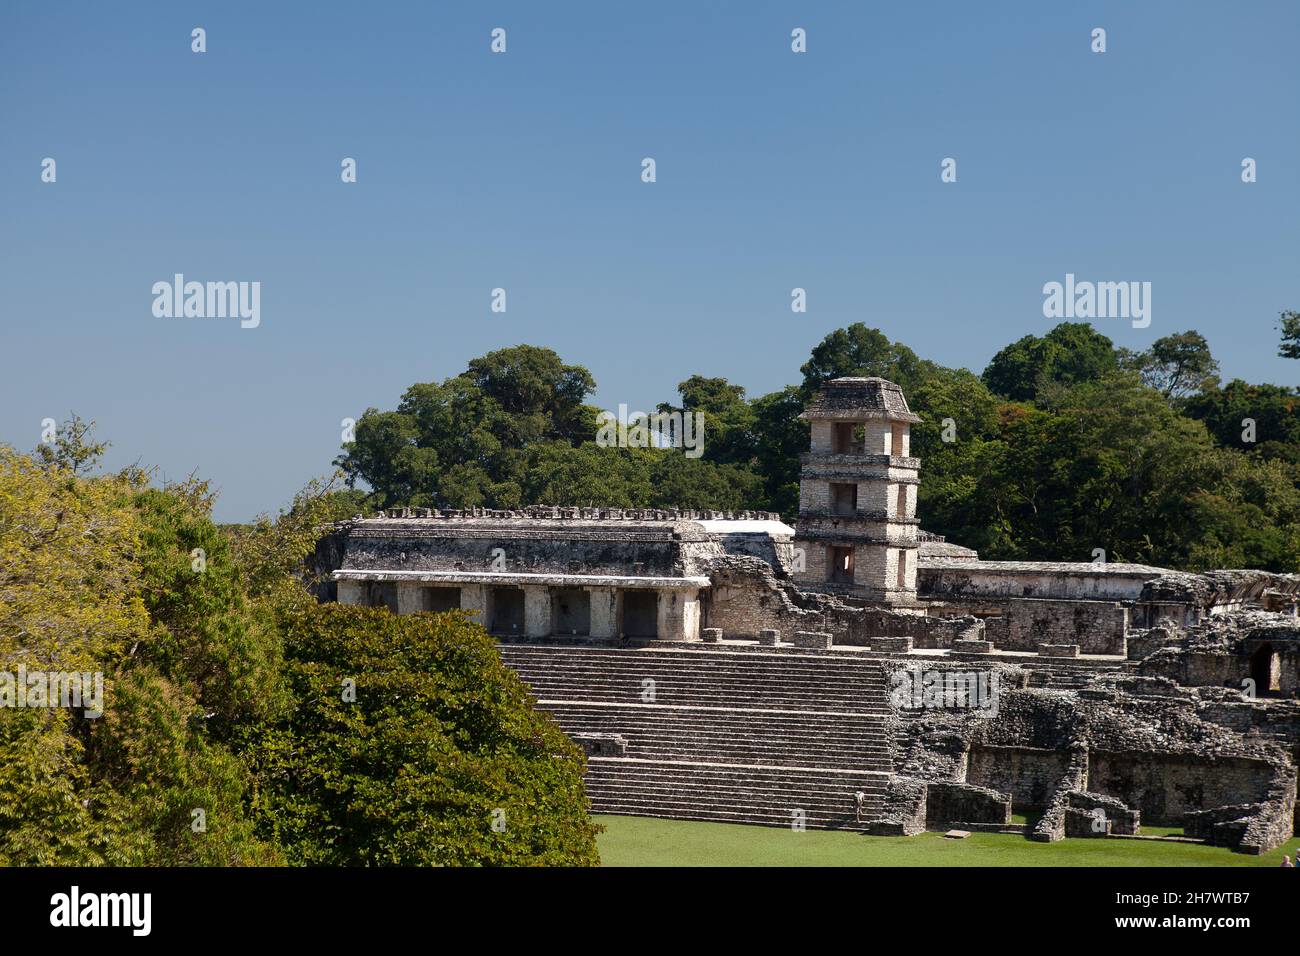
x: 856, y: 532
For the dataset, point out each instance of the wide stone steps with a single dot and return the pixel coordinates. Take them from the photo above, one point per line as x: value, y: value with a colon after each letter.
x: 569, y: 673
x: 748, y: 666
x: 710, y: 697
x: 728, y: 737
x: 781, y: 666
x: 687, y: 691
x: 799, y: 739
x: 644, y: 665
x: 820, y: 799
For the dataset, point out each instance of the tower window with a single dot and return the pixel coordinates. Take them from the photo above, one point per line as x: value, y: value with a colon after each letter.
x: 839, y: 564
x: 896, y: 434
x: 844, y: 499
x: 847, y: 438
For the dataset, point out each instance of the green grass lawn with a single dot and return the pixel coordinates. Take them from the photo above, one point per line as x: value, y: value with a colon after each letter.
x: 644, y: 841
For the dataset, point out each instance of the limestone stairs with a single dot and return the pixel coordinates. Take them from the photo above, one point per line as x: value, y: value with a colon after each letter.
x: 1069, y: 674
x: 773, y: 739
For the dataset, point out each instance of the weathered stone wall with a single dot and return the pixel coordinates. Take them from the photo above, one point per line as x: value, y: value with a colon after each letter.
x: 774, y: 551
x: 966, y: 580
x: 1253, y: 827
x: 1029, y: 775
x: 904, y: 812
x: 1058, y: 816
x: 863, y: 624
x: 650, y: 552
x: 1095, y: 815
x: 1165, y: 787
x: 949, y: 803
x: 746, y: 598
x: 1098, y: 627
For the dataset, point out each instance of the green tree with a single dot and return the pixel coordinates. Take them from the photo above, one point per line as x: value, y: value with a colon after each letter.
x: 438, y: 760
x: 728, y: 436
x: 1290, y: 326
x: 466, y: 441
x: 73, y: 447
x: 1263, y: 420
x: 858, y: 351
x: 90, y: 582
x: 588, y: 475
x: 1071, y: 353
x: 959, y: 443
x: 1178, y: 365
x: 780, y: 438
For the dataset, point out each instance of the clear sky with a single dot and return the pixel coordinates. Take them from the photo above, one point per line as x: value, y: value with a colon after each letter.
x: 523, y: 171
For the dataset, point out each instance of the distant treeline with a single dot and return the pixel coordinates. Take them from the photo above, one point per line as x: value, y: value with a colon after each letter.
x: 1064, y: 444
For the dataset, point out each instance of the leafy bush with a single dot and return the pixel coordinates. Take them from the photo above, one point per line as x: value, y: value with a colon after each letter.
x: 436, y: 758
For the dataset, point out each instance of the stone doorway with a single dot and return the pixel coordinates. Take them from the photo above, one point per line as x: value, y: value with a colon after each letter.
x: 571, y: 612
x: 506, y: 611
x: 439, y: 599
x: 641, y: 614
x: 381, y: 594
x: 1266, y: 670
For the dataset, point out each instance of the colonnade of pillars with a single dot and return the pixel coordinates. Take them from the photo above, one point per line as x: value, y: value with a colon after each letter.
x: 538, y: 610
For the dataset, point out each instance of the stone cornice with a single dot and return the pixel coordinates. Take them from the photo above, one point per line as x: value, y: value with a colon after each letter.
x: 506, y: 579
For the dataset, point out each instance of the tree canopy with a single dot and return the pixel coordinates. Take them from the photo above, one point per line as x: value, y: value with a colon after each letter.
x: 225, y: 737
x: 1062, y: 445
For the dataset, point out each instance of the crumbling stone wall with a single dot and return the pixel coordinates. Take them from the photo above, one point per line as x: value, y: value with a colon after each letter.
x: 747, y: 597
x: 904, y: 811
x: 1166, y: 787
x: 1098, y: 627
x: 1030, y: 776
x: 1252, y: 827
x: 1095, y: 815
x: 951, y: 803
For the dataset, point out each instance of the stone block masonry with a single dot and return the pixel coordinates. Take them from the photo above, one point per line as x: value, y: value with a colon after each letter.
x: 1098, y: 627
x: 811, y: 639
x: 1058, y: 650
x: 857, y: 493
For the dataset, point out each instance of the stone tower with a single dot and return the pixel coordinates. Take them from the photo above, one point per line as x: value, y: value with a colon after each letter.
x: 857, y: 493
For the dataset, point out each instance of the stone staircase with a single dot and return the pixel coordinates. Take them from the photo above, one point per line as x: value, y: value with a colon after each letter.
x: 1069, y: 674
x: 708, y: 678
x: 772, y: 739
x: 818, y: 798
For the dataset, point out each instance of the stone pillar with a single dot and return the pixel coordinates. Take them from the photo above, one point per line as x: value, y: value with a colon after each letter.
x: 604, y: 612
x: 537, y: 610
x: 679, y: 614
x: 410, y: 597
x: 350, y: 592
x: 473, y: 598
x: 691, y: 614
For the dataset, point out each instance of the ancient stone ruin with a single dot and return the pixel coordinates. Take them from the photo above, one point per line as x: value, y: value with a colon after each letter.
x: 854, y: 672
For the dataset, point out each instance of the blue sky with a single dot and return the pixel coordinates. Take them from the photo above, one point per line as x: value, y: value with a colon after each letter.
x: 522, y: 171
